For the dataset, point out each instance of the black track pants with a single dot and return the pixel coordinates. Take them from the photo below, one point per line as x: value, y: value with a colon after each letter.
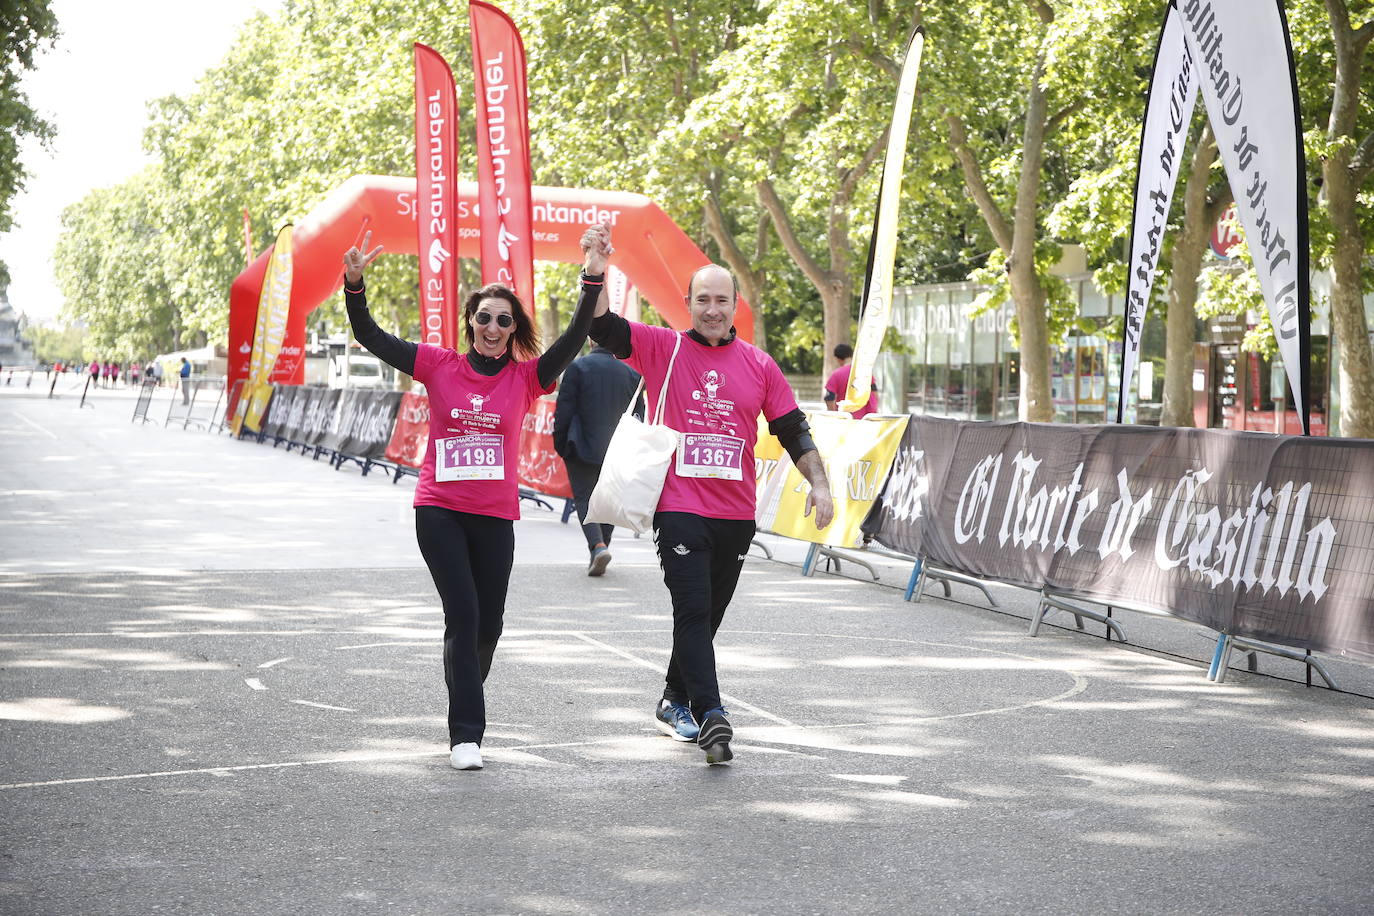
x: 582, y: 477
x: 470, y: 558
x: 701, y: 560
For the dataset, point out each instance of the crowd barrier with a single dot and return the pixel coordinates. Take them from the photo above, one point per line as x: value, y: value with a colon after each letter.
x: 1266, y: 540
x: 390, y: 430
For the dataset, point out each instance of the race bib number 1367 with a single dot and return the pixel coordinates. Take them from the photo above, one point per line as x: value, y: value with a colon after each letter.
x: 710, y: 455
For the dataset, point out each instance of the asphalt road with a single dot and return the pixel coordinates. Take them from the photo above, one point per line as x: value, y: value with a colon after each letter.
x: 220, y: 692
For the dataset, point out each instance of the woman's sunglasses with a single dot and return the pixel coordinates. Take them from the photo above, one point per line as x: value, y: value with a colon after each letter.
x: 502, y: 320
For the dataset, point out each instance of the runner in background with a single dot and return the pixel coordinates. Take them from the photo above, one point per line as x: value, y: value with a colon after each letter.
x: 467, y: 498
x: 705, y: 520
x: 838, y: 384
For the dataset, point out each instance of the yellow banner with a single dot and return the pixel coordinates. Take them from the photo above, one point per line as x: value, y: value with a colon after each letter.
x: 274, y: 304
x: 257, y: 406
x: 858, y: 455
x: 877, y: 311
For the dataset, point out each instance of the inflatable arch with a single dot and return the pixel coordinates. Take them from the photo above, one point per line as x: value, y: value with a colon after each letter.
x: 656, y: 255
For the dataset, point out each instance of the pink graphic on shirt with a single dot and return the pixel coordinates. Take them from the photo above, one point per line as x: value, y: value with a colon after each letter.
x: 476, y: 421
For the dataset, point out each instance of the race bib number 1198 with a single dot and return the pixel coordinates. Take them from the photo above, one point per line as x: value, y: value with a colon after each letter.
x: 474, y: 457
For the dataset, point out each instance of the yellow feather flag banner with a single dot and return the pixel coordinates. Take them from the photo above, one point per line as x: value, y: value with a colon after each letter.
x: 858, y: 455
x: 882, y: 247
x: 274, y: 304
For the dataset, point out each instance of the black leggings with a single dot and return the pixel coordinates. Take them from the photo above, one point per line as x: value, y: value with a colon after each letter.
x: 470, y: 558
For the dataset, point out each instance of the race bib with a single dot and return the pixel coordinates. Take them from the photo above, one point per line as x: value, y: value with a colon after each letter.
x: 480, y: 456
x: 710, y: 455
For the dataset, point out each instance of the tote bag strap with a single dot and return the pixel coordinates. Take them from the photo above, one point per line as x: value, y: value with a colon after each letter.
x: 663, y: 392
x: 630, y: 407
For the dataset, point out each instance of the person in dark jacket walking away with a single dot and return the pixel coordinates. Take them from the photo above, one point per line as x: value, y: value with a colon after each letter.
x: 592, y: 395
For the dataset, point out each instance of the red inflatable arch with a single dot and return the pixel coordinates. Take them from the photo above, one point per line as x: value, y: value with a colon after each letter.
x: 656, y: 255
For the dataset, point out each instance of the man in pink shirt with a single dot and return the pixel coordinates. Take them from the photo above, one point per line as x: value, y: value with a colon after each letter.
x: 704, y: 524
x: 838, y: 384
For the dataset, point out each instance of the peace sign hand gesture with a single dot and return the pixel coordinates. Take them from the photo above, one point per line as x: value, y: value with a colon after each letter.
x: 356, y: 258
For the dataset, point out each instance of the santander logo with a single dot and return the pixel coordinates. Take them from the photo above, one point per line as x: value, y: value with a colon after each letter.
x: 437, y: 256
x: 503, y: 240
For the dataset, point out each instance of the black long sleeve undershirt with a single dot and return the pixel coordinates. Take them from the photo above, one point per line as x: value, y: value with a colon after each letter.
x: 400, y: 354
x: 612, y: 331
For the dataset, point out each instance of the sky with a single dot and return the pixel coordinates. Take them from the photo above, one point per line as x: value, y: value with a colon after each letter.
x: 111, y: 59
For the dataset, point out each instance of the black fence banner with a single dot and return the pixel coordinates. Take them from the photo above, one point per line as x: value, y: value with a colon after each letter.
x: 278, y: 410
x: 295, y: 417
x: 321, y: 405
x: 364, y: 422
x: 1254, y: 535
x: 351, y: 404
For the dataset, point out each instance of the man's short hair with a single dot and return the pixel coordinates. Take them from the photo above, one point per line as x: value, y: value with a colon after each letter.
x: 733, y: 282
x: 843, y: 351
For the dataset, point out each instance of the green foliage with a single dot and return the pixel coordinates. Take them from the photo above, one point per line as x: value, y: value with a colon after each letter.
x: 50, y: 345
x: 1060, y: 308
x: 685, y: 103
x: 120, y: 271
x: 28, y: 26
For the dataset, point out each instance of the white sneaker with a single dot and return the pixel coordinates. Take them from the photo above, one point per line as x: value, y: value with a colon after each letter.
x: 466, y: 757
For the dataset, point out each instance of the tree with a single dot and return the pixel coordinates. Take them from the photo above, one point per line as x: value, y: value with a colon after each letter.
x: 791, y: 132
x: 1204, y: 201
x: 118, y: 269
x: 1346, y: 151
x: 1052, y: 75
x: 28, y: 26
x: 51, y: 345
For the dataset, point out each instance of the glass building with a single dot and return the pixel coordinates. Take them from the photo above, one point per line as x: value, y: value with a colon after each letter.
x: 969, y: 368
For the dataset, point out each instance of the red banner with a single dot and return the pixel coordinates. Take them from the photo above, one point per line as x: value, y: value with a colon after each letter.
x: 410, y: 437
x: 540, y: 467
x: 436, y: 179
x: 505, y: 214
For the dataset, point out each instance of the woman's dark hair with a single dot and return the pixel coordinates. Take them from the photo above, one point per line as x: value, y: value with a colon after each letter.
x: 524, y: 340
x: 843, y: 351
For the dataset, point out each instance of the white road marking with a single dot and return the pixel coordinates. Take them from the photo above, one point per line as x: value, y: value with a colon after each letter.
x: 323, y: 706
x: 46, y: 432
x: 733, y: 701
x: 375, y: 645
x: 254, y: 683
x: 276, y: 661
x: 353, y: 758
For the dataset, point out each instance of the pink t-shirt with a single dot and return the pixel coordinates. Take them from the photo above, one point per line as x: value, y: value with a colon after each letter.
x: 714, y: 399
x: 839, y: 384
x: 473, y: 460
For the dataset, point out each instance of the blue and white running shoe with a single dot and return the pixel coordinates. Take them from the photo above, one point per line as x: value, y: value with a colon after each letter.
x: 675, y: 720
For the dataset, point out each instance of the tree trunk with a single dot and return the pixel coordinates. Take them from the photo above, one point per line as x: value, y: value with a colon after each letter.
x: 835, y: 285
x: 1348, y: 323
x: 1027, y: 292
x: 1189, y: 248
x: 1341, y: 179
x: 751, y: 281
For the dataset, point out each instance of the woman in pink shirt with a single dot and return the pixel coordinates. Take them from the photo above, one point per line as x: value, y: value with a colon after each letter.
x: 468, y: 497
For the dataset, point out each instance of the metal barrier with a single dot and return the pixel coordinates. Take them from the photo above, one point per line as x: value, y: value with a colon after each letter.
x: 184, y: 409
x: 145, y: 400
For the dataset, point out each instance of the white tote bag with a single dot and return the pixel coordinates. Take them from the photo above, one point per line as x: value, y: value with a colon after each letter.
x: 636, y: 465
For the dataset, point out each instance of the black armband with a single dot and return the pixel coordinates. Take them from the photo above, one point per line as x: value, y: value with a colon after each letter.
x: 794, y: 433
